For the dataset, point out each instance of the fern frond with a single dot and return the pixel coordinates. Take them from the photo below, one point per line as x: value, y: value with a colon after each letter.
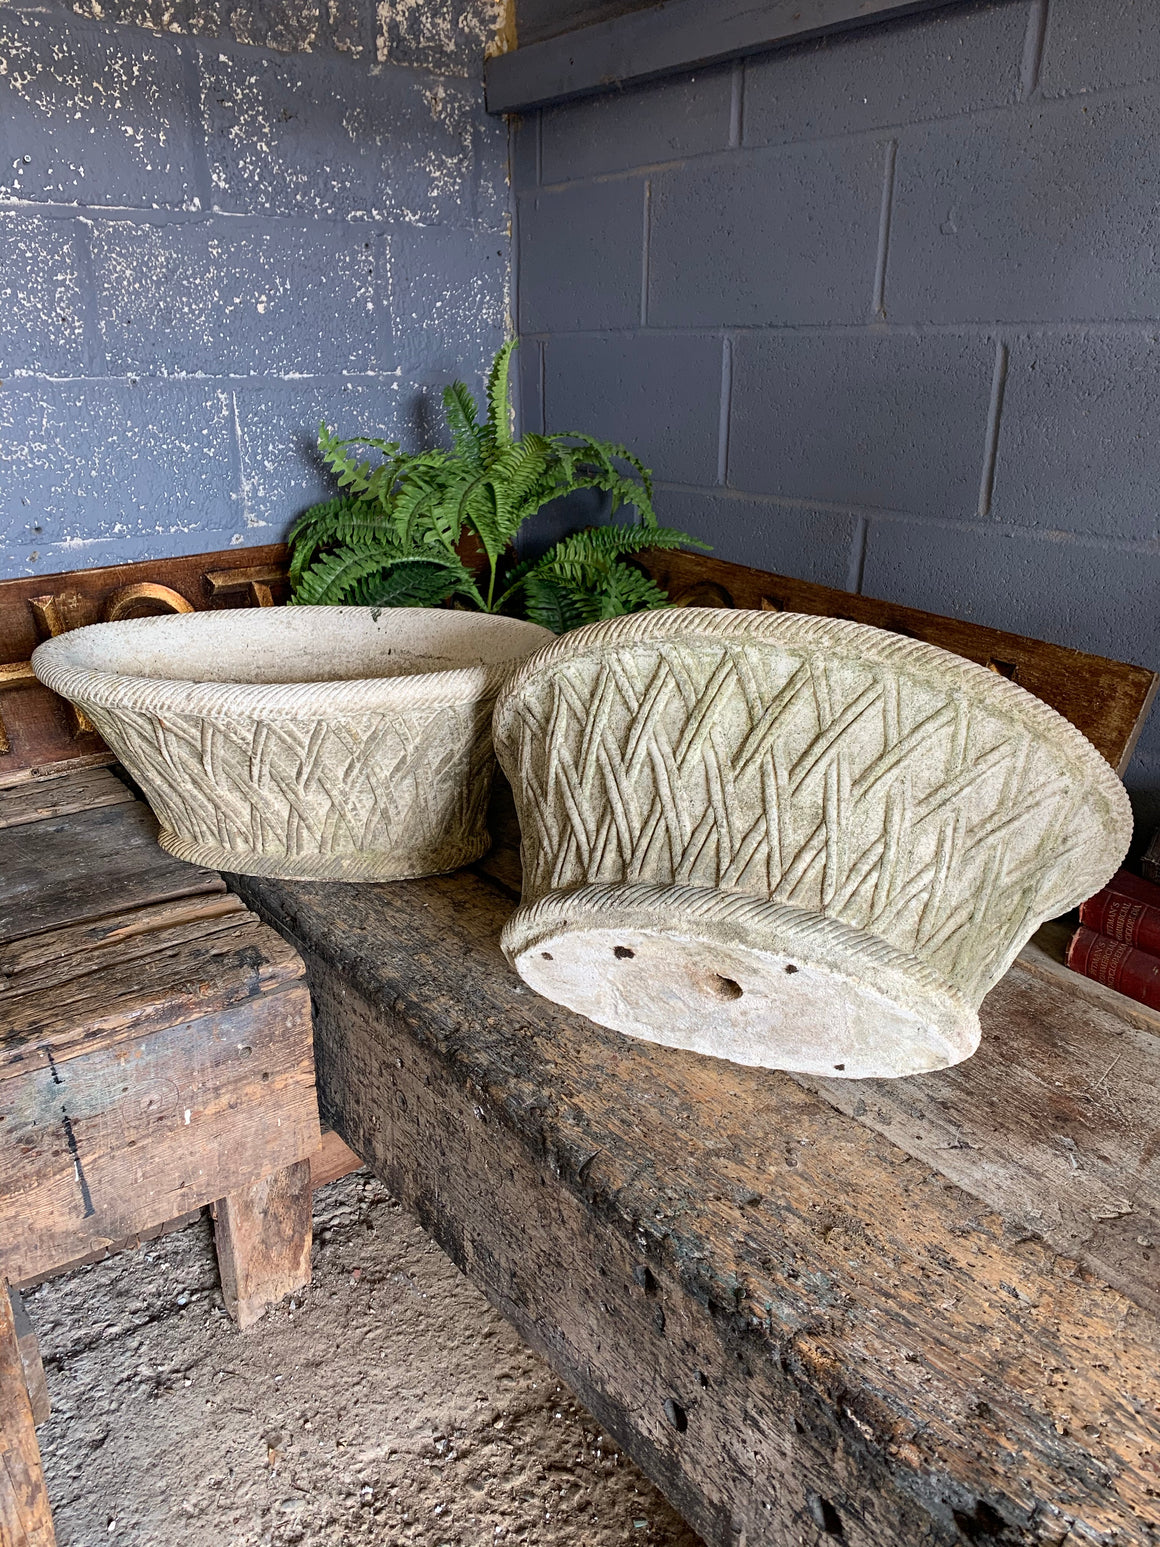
x: 469, y: 437
x: 499, y: 403
x: 333, y: 578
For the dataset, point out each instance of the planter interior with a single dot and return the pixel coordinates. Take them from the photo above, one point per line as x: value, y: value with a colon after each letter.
x: 788, y: 841
x: 343, y: 743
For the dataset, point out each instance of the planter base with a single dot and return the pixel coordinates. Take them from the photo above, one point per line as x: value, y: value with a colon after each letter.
x: 405, y: 864
x: 740, y: 978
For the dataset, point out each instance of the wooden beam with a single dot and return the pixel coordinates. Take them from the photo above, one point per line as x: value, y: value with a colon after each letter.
x: 25, y: 1518
x: 263, y: 1236
x: 665, y: 38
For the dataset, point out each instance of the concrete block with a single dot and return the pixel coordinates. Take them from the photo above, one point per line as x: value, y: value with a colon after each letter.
x: 1094, y: 45
x: 236, y: 297
x: 92, y: 116
x: 278, y: 436
x: 934, y: 66
x: 1040, y: 214
x: 1087, y: 595
x: 684, y: 115
x: 530, y: 396
x: 1080, y: 427
x: 448, y: 37
x: 449, y: 300
x: 783, y: 236
x: 303, y: 135
x: 99, y: 472
x: 893, y: 421
x: 524, y: 151
x: 287, y: 26
x: 658, y: 394
x: 41, y: 330
x: 580, y: 257
x: 790, y: 539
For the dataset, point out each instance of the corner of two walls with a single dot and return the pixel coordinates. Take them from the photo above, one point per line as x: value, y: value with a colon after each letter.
x: 222, y: 221
x: 880, y: 312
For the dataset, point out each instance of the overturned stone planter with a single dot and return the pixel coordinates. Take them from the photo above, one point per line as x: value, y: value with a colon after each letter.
x: 790, y: 841
x: 317, y: 743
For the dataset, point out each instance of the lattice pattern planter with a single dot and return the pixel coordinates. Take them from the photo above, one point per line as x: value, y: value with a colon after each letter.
x: 790, y: 841
x: 342, y: 743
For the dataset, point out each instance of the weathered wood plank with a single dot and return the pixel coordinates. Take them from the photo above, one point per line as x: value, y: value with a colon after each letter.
x: 202, y: 977
x: 678, y: 35
x: 83, y: 790
x: 263, y: 1233
x: 62, y: 956
x: 1107, y: 700
x: 1054, y: 1123
x: 25, y: 1518
x: 86, y: 864
x: 122, y: 1135
x: 29, y: 1346
x: 332, y: 1159
x: 786, y: 1319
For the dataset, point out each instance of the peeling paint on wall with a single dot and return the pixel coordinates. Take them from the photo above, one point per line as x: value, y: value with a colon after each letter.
x: 204, y: 250
x: 443, y: 35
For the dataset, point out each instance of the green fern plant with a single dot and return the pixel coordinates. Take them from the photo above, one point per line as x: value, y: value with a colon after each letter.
x: 393, y: 535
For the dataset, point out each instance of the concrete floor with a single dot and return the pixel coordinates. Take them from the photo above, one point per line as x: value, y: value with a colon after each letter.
x: 386, y: 1404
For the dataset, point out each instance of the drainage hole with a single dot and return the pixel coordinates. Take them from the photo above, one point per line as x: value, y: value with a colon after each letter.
x: 623, y: 953
x: 547, y: 955
x: 789, y: 967
x: 726, y: 988
x: 676, y: 1415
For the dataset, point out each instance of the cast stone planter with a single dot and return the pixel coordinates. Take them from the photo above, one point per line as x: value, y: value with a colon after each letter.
x: 790, y: 841
x: 318, y: 743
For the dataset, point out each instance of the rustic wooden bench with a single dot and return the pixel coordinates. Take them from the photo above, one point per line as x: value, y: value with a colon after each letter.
x: 155, y: 1057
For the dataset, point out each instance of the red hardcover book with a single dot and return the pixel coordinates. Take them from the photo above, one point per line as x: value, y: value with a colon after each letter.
x: 1117, y: 965
x: 1127, y: 909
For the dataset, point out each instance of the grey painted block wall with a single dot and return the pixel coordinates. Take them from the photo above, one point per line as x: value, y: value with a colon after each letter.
x: 220, y: 224
x: 882, y: 312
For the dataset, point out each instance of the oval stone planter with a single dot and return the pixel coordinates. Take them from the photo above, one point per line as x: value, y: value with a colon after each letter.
x: 317, y: 743
x: 790, y: 841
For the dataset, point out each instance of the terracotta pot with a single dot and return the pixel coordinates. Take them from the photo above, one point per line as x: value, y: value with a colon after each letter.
x: 324, y: 743
x: 790, y: 841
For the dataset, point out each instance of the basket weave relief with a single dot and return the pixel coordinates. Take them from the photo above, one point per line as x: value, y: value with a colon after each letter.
x: 339, y: 743
x: 790, y: 841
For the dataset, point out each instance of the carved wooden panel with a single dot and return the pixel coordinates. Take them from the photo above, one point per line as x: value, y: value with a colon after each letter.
x: 1107, y: 700
x: 39, y: 733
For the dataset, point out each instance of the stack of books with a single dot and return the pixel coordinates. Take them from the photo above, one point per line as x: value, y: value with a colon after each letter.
x: 1118, y: 939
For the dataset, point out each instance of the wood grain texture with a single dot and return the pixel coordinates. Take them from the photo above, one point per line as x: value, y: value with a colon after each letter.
x: 25, y: 1518
x: 125, y: 1134
x: 82, y: 790
x: 1107, y: 700
x: 332, y: 1159
x: 41, y: 733
x: 29, y: 1346
x: 263, y: 1235
x: 794, y: 1326
x: 680, y: 35
x: 85, y: 865
x: 121, y: 1000
x: 61, y: 956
